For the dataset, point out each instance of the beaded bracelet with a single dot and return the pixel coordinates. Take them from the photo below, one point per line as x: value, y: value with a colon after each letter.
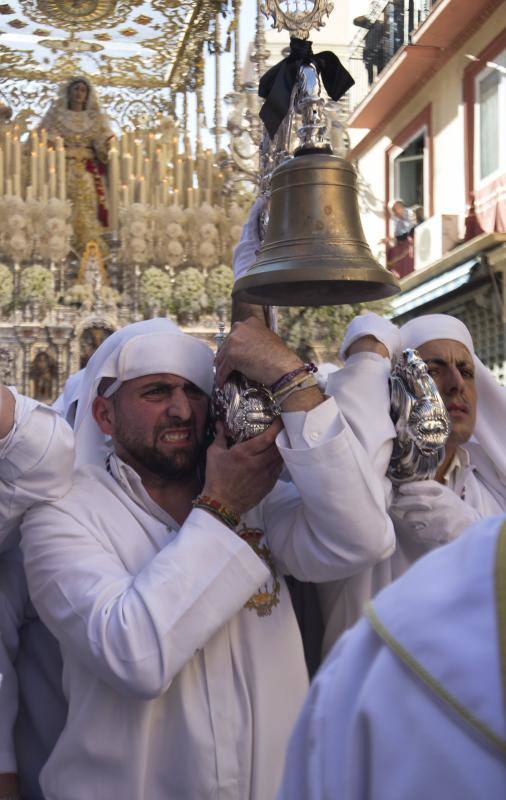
x: 219, y: 510
x: 288, y: 376
x: 307, y: 383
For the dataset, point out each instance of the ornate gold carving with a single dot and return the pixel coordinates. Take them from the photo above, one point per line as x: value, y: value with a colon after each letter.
x: 171, y: 39
x: 17, y: 23
x: 307, y: 15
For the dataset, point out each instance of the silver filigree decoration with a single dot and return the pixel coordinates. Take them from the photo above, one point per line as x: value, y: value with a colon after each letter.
x: 298, y: 17
x: 245, y: 407
x: 420, y: 419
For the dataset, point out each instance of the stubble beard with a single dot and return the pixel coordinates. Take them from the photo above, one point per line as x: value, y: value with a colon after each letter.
x: 179, y: 464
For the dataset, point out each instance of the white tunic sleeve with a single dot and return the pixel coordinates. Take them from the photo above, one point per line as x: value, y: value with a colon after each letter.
x: 134, y: 631
x: 334, y: 523
x: 362, y: 394
x: 36, y: 460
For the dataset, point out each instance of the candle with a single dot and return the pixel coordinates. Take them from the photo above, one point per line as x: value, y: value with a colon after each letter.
x: 175, y: 197
x: 151, y: 145
x: 113, y: 187
x: 209, y: 170
x: 147, y: 176
x: 124, y: 195
x: 52, y: 182
x: 178, y: 178
x: 142, y: 189
x: 29, y: 193
x: 61, y: 171
x: 44, y: 194
x: 138, y: 158
x: 34, y: 172
x: 16, y: 152
x: 160, y: 165
x: 189, y: 198
x: 41, y: 162
x: 127, y: 168
x: 131, y: 189
x: 43, y: 137
x: 7, y: 146
x: 165, y: 192
x: 196, y: 196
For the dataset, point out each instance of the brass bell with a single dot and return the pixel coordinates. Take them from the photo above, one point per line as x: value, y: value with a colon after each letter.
x: 314, y: 251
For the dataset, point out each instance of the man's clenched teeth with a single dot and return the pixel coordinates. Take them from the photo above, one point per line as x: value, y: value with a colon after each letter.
x: 175, y: 436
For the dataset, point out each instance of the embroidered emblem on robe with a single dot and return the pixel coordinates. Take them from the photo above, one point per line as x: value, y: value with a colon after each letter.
x: 267, y: 596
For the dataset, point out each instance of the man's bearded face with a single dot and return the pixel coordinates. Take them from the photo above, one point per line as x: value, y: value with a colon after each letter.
x: 451, y: 366
x: 160, y: 425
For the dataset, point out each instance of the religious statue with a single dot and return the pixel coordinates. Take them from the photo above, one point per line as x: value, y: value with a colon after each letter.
x: 43, y: 373
x: 77, y: 118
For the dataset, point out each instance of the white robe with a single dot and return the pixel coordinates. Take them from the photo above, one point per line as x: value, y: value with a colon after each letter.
x: 36, y: 460
x: 361, y: 392
x: 175, y: 689
x: 375, y: 727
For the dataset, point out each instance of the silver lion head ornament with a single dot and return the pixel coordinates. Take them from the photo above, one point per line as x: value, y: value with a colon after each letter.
x: 420, y: 418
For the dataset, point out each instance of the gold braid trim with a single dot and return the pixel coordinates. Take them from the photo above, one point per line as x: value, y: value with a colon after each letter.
x: 473, y: 722
x: 500, y: 598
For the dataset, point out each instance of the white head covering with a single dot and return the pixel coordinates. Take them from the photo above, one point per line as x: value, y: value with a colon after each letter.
x: 143, y: 348
x: 66, y: 403
x: 490, y: 428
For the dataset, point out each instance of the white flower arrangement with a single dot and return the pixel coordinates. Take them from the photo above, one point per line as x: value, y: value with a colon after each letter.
x: 36, y: 285
x: 6, y: 285
x: 155, y: 289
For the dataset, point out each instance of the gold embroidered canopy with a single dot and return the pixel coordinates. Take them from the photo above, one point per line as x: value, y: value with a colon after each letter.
x: 122, y: 43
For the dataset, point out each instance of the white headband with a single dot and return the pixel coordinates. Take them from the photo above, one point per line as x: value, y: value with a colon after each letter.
x: 143, y: 348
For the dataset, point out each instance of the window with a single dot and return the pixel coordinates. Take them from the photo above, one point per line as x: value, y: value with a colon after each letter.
x: 409, y: 173
x: 490, y: 122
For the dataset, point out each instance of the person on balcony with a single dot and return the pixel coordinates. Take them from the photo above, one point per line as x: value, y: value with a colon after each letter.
x: 404, y: 218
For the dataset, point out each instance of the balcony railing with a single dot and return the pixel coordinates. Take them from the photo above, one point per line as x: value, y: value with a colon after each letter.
x: 382, y: 32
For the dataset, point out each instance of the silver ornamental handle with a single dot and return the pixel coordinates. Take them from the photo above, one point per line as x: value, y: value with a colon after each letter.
x: 245, y: 408
x: 420, y: 418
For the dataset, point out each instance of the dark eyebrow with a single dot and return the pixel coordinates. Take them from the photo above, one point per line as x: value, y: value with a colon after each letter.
x: 167, y: 385
x: 439, y: 362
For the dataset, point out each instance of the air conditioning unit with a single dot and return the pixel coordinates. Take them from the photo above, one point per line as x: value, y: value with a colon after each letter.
x: 434, y: 238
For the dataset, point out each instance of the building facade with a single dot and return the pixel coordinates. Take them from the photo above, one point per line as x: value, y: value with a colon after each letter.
x: 426, y: 123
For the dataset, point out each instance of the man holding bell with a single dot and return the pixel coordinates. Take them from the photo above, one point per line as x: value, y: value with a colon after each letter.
x: 161, y: 572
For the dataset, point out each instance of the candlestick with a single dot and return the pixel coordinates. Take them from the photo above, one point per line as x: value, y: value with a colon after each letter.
x: 52, y: 182
x: 175, y: 197
x: 178, y: 177
x: 138, y: 158
x: 124, y: 195
x: 142, y: 189
x: 209, y: 170
x: 41, y: 163
x: 16, y: 157
x: 113, y: 187
x: 7, y: 156
x: 61, y: 170
x: 34, y: 172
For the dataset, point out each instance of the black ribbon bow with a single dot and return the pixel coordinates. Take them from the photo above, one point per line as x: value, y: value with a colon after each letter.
x: 277, y: 83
